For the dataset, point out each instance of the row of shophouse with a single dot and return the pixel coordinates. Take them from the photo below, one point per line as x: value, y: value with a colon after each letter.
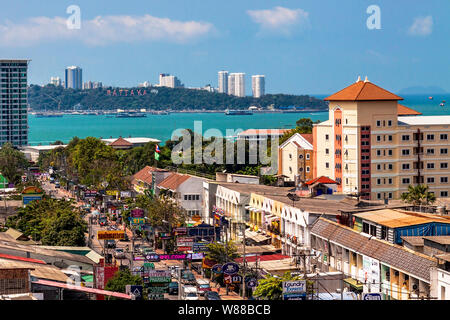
x: 373, y: 244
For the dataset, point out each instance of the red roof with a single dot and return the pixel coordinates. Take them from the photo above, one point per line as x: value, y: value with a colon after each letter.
x: 80, y: 288
x: 173, y: 181
x: 308, y: 137
x: 363, y: 91
x: 267, y: 257
x: 321, y: 179
x: 405, y: 111
x: 121, y: 142
x: 7, y: 256
x: 146, y: 174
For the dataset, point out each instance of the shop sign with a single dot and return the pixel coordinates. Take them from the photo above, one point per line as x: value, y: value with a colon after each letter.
x: 173, y: 256
x: 294, y: 290
x: 110, y: 235
x: 112, y: 193
x: 200, y: 246
x: 137, y: 213
x: 372, y: 296
x: 230, y: 268
x: 156, y: 297
x: 217, y: 268
x: 229, y: 279
x: 181, y: 249
x: 158, y: 290
x: 90, y: 193
x: 152, y: 258
x: 137, y: 221
x: 125, y: 194
x: 181, y: 231
x: 252, y: 283
x: 196, y: 256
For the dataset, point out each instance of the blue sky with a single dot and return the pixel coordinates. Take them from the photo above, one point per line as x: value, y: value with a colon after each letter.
x: 308, y: 47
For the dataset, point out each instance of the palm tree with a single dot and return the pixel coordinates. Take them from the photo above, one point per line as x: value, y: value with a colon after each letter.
x: 418, y: 195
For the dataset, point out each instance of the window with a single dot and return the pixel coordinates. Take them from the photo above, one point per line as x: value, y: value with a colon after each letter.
x: 290, y: 156
x: 307, y: 156
x: 390, y: 152
x: 430, y: 165
x: 378, y: 166
x: 366, y: 227
x: 406, y: 181
x: 378, y: 138
x: 405, y: 152
x: 390, y: 166
x: 307, y: 169
x: 405, y: 137
x: 389, y: 138
x: 430, y: 136
x: 378, y: 152
x: 390, y: 180
x: 444, y: 193
x: 444, y: 179
x: 444, y: 165
x: 327, y: 165
x: 373, y: 230
x: 383, y: 232
x: 444, y: 136
x: 405, y: 166
x: 390, y: 195
x: 389, y: 123
x: 378, y: 123
x: 327, y: 151
x: 290, y: 169
x: 378, y: 196
x: 444, y: 151
x: 378, y: 181
x: 327, y: 137
x: 430, y: 180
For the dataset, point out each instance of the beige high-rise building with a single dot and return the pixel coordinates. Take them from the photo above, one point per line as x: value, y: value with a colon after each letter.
x: 236, y: 84
x: 376, y: 147
x: 258, y: 85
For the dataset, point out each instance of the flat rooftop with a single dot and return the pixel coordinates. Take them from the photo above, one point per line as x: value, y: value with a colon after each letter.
x: 44, y: 148
x: 397, y: 219
x: 134, y: 140
x: 424, y: 120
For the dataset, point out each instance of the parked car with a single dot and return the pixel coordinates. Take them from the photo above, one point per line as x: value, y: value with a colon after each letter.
x: 189, y: 293
x: 119, y: 253
x: 173, y: 288
x: 110, y: 244
x: 203, y: 286
x: 212, y: 295
x: 187, y: 277
x: 174, y: 271
x: 57, y: 185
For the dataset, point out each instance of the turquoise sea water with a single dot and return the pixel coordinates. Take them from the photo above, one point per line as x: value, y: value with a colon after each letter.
x: 47, y: 130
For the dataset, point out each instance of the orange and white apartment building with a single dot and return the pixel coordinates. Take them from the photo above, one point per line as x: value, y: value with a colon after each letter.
x: 374, y: 146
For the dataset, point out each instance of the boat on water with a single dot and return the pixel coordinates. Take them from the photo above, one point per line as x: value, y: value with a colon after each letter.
x: 238, y: 112
x: 442, y: 104
x: 48, y: 115
x: 430, y: 97
x: 131, y: 114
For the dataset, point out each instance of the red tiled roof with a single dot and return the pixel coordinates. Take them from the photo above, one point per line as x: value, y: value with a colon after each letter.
x: 121, y: 142
x: 268, y: 257
x: 10, y: 257
x: 145, y: 174
x: 308, y: 137
x: 173, y: 181
x: 321, y: 179
x: 405, y: 111
x: 398, y: 257
x: 363, y: 91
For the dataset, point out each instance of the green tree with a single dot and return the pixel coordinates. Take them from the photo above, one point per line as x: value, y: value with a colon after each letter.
x: 271, y: 288
x: 305, y: 125
x: 222, y: 253
x: 12, y: 163
x: 418, y: 195
x: 120, y: 280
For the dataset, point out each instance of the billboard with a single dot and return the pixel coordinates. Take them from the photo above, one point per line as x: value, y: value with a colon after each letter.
x: 137, y: 213
x: 137, y: 221
x: 371, y: 274
x: 110, y: 235
x: 294, y: 290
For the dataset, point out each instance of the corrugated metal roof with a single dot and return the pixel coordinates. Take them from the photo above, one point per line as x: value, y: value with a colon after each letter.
x: 397, y: 219
x: 398, y: 257
x: 41, y: 271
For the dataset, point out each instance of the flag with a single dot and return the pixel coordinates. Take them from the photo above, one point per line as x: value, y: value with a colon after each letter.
x: 157, y: 149
x: 157, y: 156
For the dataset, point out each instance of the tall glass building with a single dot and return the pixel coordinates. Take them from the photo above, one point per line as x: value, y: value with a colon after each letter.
x: 14, y: 102
x: 74, y: 78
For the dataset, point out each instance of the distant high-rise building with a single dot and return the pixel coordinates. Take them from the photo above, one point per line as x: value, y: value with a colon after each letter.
x: 74, y: 77
x: 56, y: 81
x: 166, y: 80
x: 223, y: 81
x: 236, y: 84
x: 13, y: 104
x: 145, y: 84
x: 258, y: 85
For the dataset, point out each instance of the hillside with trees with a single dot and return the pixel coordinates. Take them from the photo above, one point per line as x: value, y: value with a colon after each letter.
x: 160, y: 98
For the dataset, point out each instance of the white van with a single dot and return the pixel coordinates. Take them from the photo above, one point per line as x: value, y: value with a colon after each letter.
x: 189, y: 293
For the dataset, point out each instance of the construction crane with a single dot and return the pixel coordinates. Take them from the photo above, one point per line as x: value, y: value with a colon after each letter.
x: 56, y: 100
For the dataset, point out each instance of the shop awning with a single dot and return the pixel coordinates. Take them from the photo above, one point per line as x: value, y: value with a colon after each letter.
x: 256, y: 236
x: 354, y: 283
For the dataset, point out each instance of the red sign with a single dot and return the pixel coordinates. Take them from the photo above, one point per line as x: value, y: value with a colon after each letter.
x: 184, y: 248
x: 137, y: 213
x: 126, y: 92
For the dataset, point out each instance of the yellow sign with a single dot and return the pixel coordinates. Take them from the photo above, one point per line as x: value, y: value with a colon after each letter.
x: 197, y: 218
x: 110, y: 235
x: 112, y: 192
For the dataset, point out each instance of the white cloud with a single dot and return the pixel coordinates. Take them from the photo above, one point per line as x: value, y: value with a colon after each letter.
x: 279, y: 19
x: 422, y: 26
x: 103, y: 30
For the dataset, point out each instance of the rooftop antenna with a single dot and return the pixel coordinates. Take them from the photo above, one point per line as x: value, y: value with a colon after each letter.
x: 359, y: 79
x: 366, y: 80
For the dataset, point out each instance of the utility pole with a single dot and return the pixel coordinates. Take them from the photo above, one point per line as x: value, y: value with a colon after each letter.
x: 245, y: 267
